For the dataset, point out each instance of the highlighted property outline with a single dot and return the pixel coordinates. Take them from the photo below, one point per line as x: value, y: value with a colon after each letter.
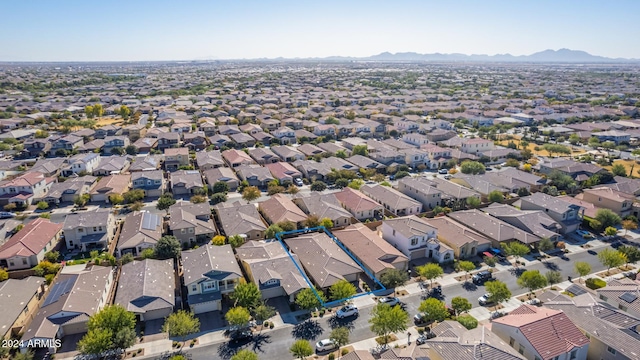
x: 343, y: 248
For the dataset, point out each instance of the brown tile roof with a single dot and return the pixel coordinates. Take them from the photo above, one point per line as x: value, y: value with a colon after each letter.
x: 455, y: 234
x: 550, y: 332
x: 280, y: 208
x: 31, y: 240
x: 356, y: 201
x: 374, y: 252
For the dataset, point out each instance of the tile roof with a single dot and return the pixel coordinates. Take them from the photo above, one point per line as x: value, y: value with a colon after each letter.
x: 239, y: 219
x: 140, y: 227
x: 492, y: 227
x: 14, y: 296
x: 394, y: 199
x: 210, y: 261
x: 146, y: 285
x: 355, y: 201
x: 281, y: 208
x: 31, y: 239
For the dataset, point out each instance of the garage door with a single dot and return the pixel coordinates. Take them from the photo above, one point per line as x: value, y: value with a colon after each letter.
x: 272, y: 292
x: 206, y: 307
x: 417, y: 254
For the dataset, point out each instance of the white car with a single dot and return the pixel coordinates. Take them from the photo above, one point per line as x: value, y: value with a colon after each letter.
x: 391, y: 301
x: 325, y: 345
x: 346, y: 311
x: 298, y: 181
x: 484, y: 299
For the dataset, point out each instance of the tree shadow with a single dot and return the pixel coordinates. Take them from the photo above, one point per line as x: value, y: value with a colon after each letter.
x: 308, y: 330
x: 227, y: 350
x: 516, y: 271
x: 335, y: 322
x: 259, y: 340
x: 551, y: 265
x: 469, y: 286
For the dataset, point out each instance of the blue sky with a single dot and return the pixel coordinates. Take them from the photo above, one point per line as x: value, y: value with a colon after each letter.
x: 88, y: 30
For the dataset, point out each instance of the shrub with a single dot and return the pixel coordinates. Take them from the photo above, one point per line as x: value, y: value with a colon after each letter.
x: 468, y: 321
x: 490, y: 261
x: 345, y: 352
x: 593, y: 283
x: 332, y: 356
x: 49, y: 278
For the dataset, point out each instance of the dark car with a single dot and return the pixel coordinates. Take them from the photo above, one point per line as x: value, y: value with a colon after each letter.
x: 481, y: 277
x: 6, y: 215
x: 423, y: 338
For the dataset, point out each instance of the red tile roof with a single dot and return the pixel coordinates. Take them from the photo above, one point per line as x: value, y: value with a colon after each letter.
x: 31, y: 239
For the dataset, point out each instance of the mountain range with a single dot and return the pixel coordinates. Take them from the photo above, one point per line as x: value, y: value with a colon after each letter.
x: 562, y: 56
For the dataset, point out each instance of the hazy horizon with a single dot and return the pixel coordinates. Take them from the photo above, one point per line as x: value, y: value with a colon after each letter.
x: 162, y: 30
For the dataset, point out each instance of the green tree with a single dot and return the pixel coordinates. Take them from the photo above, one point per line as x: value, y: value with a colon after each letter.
x: 41, y: 134
x: 515, y: 249
x: 574, y: 139
x: 238, y: 317
x: 221, y: 187
x: 611, y: 258
x: 42, y: 205
x: 342, y: 183
x: 393, y: 278
x: 218, y: 198
x: 495, y: 196
x: 532, y: 280
x: 307, y: 300
x: 165, y: 201
x: 360, y: 150
x: 181, y: 324
x: 468, y: 321
x: 318, y: 186
x: 97, y: 110
x: 472, y: 167
x: 385, y: 320
x: 124, y: 111
x: 88, y: 111
x: 287, y: 225
x: 4, y: 275
x: 272, y: 230
x: 553, y: 277
x: 168, y: 247
x: 430, y: 271
x: 498, y: 291
x: 218, y: 240
x: 134, y: 195
x: 582, y: 268
x: 251, y: 193
x: 340, y: 336
x: 610, y: 231
x: 545, y: 244
x: 311, y: 221
x: 342, y: 289
x: 246, y: 295
x: 137, y: 206
x: 28, y: 355
x: 263, y: 312
x: 460, y: 305
x: 341, y: 154
x: 629, y: 225
x: 473, y: 202
x: 607, y: 218
x: 127, y: 258
x: 433, y: 310
x: 327, y: 223
x: 631, y: 253
x: 466, y: 266
x: 52, y: 256
x: 556, y: 149
x: 301, y: 349
x: 114, y: 322
x: 131, y: 150
x: 245, y: 354
x: 619, y: 170
x: 236, y: 241
x: 116, y: 199
x: 81, y: 200
x: 356, y: 184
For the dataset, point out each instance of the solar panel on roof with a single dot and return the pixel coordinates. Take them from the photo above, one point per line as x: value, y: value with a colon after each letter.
x: 628, y: 297
x: 576, y: 290
x: 58, y: 290
x: 149, y: 221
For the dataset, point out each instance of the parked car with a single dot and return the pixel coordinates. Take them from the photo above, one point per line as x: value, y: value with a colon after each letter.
x: 325, y: 345
x: 481, y: 277
x: 535, y: 301
x: 424, y: 337
x: 391, y: 301
x: 443, y: 171
x: 584, y: 234
x: 298, y: 181
x: 484, y: 300
x: 497, y: 314
x: 347, y: 311
x: 6, y: 215
x: 420, y: 319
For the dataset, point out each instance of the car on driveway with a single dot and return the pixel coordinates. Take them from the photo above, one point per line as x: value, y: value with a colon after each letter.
x: 391, y: 301
x: 298, y: 181
x: 584, y: 234
x: 421, y: 319
x: 482, y: 277
x: 325, y: 345
x: 443, y: 171
x: 423, y: 338
x: 484, y: 300
x: 347, y: 311
x: 6, y: 215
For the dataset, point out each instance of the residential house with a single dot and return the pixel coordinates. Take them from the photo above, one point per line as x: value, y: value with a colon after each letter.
x: 284, y: 172
x: 224, y: 174
x: 89, y: 230
x: 393, y: 201
x: 48, y: 167
x: 578, y: 171
x: 453, y: 195
x: 152, y: 182
x: 535, y: 222
x: 476, y: 145
x: 465, y: 242
x: 108, y: 185
x: 279, y: 208
x: 418, y: 189
x: 146, y: 288
x: 623, y: 294
x: 79, y: 292
x: 145, y: 144
x: 363, y: 162
x: 219, y: 141
x: 311, y: 150
x: 27, y: 247
x: 255, y: 175
x: 25, y: 188
x: 542, y: 333
x: 415, y: 239
x: 333, y: 148
x: 69, y: 190
x: 324, y: 206
x: 146, y: 163
x: 263, y: 137
x: 285, y: 135
x: 359, y: 205
x: 81, y: 163
x: 174, y: 158
x: 111, y: 165
x: 168, y: 140
x: 37, y: 147
x: 264, y: 156
x: 339, y: 164
x: 141, y: 230
x: 288, y: 153
x: 564, y: 213
x: 237, y: 158
x: 210, y: 272
x: 269, y: 266
x: 495, y: 229
x: 616, y: 136
x: 114, y: 142
x: 65, y: 145
x: 195, y: 141
x: 19, y: 300
x: 229, y: 130
x: 243, y: 220
x: 107, y: 130
x: 93, y: 146
x: 586, y: 208
x: 312, y: 170
x: 209, y: 160
x: 191, y: 223
x: 323, y: 260
x: 415, y: 139
x: 608, y: 198
x: 243, y: 140
x: 186, y: 182
x: 374, y: 253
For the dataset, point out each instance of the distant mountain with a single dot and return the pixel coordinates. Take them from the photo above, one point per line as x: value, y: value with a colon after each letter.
x: 562, y: 55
